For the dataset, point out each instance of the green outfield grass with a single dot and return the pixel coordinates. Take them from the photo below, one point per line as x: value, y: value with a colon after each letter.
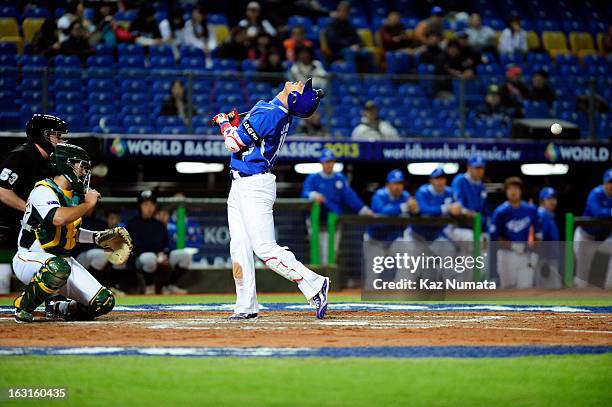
x: 297, y: 298
x: 149, y: 381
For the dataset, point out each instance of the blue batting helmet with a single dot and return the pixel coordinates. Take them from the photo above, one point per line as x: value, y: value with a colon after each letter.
x: 304, y: 104
x: 327, y: 155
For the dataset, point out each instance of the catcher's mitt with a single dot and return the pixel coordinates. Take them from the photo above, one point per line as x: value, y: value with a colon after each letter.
x: 116, y: 242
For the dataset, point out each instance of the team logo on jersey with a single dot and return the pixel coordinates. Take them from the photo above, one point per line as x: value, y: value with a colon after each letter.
x: 52, y: 203
x: 516, y: 225
x: 250, y: 131
x: 339, y: 184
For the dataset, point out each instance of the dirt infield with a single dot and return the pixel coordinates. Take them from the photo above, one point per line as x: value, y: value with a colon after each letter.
x: 295, y: 329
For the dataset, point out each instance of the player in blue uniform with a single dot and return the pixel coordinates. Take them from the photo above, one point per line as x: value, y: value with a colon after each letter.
x: 255, y: 143
x: 513, y: 221
x: 392, y: 200
x: 435, y: 199
x: 471, y: 193
x: 549, y: 265
x: 598, y: 205
x: 333, y: 191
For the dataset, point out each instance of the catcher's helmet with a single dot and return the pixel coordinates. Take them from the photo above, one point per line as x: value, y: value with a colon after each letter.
x: 304, y: 104
x: 39, y: 127
x: 73, y: 163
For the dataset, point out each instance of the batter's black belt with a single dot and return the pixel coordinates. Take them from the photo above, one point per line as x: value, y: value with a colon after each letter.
x: 234, y: 175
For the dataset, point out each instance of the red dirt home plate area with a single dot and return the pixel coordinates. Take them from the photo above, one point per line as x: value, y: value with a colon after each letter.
x: 301, y: 329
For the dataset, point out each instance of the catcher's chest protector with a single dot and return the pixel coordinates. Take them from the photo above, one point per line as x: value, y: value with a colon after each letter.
x: 58, y: 240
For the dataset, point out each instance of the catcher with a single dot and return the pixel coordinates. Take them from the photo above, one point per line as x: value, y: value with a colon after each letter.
x: 50, y: 229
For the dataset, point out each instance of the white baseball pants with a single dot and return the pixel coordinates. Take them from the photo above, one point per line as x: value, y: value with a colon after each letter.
x: 251, y: 226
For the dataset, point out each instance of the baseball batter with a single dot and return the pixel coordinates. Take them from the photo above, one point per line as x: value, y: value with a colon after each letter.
x: 255, y: 143
x: 50, y: 231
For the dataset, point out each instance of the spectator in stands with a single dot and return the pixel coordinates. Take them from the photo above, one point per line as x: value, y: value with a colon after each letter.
x: 260, y: 47
x: 176, y: 103
x: 372, y: 128
x: 432, y: 24
x: 104, y: 32
x: 493, y: 108
x: 254, y: 22
x: 340, y: 34
x: 514, y: 221
x: 312, y: 126
x: 540, y: 88
x: 273, y: 64
x: 297, y: 40
x: 144, y: 28
x: 236, y: 47
x: 431, y: 52
x: 514, y: 91
x: 198, y: 33
x: 606, y: 44
x: 151, y: 255
x: 77, y: 43
x: 393, y: 34
x: 45, y: 41
x: 513, y: 39
x: 435, y: 199
x: 598, y: 205
x: 310, y: 8
x: 172, y: 29
x: 307, y: 67
x: 480, y: 37
x: 470, y: 56
x: 332, y: 190
x: 456, y: 63
x: 74, y: 11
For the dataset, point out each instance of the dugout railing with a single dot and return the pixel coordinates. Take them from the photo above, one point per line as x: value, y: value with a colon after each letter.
x: 456, y: 110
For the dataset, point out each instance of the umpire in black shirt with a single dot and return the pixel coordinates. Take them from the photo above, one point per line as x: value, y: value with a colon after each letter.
x: 21, y: 168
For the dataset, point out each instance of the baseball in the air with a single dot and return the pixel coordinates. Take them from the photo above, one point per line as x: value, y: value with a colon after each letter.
x: 556, y: 128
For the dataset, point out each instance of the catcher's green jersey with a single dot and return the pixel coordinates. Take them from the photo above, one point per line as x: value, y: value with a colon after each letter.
x: 38, y: 230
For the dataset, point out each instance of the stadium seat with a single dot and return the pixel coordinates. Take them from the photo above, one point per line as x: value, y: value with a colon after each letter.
x: 8, y: 27
x: 131, y: 61
x: 30, y: 27
x: 130, y: 50
x: 533, y: 41
x: 140, y: 130
x: 554, y: 40
x: 135, y: 98
x: 102, y: 98
x: 580, y: 41
x: 534, y: 109
x: 63, y: 109
x: 66, y: 84
x: 179, y: 129
x: 67, y: 61
x: 163, y: 63
x: 161, y: 51
x: 367, y: 39
x: 36, y: 12
x: 102, y: 109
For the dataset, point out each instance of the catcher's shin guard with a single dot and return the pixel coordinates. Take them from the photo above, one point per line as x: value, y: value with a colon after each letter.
x: 101, y: 304
x: 51, y: 277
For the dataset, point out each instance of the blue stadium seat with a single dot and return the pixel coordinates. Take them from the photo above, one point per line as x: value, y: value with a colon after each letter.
x: 8, y: 48
x: 134, y: 86
x: 163, y: 63
x: 102, y: 109
x: 65, y: 109
x: 128, y: 15
x: 193, y: 63
x: 67, y: 84
x: 296, y: 20
x: 161, y: 51
x: 224, y: 65
x: 534, y: 109
x: 32, y: 60
x: 191, y: 52
x: 67, y: 61
x: 30, y: 97
x: 68, y: 97
x: 217, y: 19
x: 8, y: 11
x: 103, y: 120
x: 180, y: 129
x: 101, y: 73
x: 35, y: 84
x: 140, y: 130
x: 102, y: 98
x: 130, y: 50
x: 131, y: 61
x: 135, y: 98
x: 101, y: 61
x: 36, y: 13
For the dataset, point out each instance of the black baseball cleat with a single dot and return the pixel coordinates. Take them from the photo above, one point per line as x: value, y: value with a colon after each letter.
x: 52, y: 306
x: 242, y: 316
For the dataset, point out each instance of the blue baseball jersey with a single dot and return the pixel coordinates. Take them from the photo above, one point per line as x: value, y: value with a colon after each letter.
x: 598, y: 205
x: 263, y: 131
x: 513, y: 224
x: 432, y: 203
x: 470, y: 194
x: 550, y: 231
x: 336, y: 190
x: 383, y: 203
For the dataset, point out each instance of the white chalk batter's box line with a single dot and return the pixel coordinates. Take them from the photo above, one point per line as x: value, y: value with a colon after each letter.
x: 357, y: 306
